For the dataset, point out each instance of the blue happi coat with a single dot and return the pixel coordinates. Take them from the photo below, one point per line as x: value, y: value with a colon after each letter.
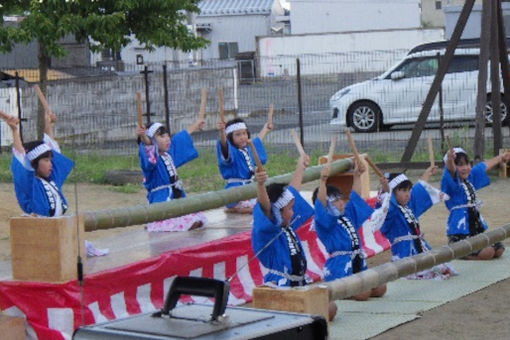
x: 30, y: 192
x: 336, y: 238
x: 458, y: 221
x: 235, y: 169
x: 156, y: 178
x: 396, y: 228
x: 276, y: 256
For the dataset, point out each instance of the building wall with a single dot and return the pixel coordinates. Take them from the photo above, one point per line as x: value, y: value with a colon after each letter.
x: 431, y: 16
x: 325, y: 16
x: 374, y: 50
x: 241, y: 29
x: 473, y: 25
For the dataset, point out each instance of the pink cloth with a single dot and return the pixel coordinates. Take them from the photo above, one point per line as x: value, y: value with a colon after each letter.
x: 181, y: 223
x: 245, y: 204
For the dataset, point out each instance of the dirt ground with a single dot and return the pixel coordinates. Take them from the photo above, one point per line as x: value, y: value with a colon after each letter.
x: 483, y: 310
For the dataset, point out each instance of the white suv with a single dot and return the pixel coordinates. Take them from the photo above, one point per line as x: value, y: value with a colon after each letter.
x: 397, y: 95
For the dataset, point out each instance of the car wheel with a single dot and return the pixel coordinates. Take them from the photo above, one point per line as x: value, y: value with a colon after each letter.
x: 489, y: 113
x: 364, y: 116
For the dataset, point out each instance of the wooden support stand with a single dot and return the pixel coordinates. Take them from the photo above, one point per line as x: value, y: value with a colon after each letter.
x: 504, y: 169
x: 45, y: 249
x: 343, y: 181
x: 307, y: 299
x: 12, y: 327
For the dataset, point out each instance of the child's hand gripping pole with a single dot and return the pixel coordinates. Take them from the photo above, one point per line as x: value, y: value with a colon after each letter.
x: 431, y: 151
x: 139, y: 108
x: 220, y: 104
x: 258, y: 163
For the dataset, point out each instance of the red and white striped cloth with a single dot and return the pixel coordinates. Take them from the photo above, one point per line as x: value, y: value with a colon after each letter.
x: 54, y: 311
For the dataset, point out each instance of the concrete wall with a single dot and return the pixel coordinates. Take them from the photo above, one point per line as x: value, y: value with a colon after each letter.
x: 102, y: 110
x: 472, y: 29
x: 370, y: 51
x: 324, y: 16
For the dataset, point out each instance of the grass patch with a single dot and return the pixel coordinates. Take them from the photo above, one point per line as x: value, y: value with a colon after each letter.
x: 127, y: 188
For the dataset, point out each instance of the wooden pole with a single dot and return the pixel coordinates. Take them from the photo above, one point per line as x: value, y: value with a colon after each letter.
x: 374, y: 167
x: 139, y: 108
x: 431, y: 151
x: 203, y: 99
x: 258, y: 163
x: 495, y: 81
x: 297, y: 142
x: 42, y: 98
x: 352, y: 145
x: 220, y: 104
x: 270, y: 114
x: 331, y: 152
x: 140, y: 214
x: 4, y: 115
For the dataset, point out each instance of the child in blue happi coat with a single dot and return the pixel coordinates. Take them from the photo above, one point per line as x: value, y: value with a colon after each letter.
x: 159, y: 157
x: 235, y: 160
x: 39, y: 171
x: 402, y: 228
x: 460, y: 181
x: 336, y: 221
x: 280, y: 210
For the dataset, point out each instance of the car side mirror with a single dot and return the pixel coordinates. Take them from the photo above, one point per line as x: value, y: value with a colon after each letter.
x: 397, y: 75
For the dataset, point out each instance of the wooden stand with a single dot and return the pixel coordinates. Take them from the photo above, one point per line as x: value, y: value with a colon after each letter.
x: 307, y: 299
x: 504, y: 169
x: 12, y: 327
x: 343, y: 181
x: 45, y: 249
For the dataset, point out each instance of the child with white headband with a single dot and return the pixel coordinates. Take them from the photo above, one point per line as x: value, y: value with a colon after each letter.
x: 159, y: 157
x: 336, y: 221
x: 402, y: 228
x: 235, y: 160
x: 461, y: 181
x: 39, y: 171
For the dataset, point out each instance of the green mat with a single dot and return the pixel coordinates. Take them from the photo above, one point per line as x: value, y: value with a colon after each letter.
x: 405, y: 299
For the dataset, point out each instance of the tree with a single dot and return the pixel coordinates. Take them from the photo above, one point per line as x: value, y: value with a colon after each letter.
x: 104, y: 24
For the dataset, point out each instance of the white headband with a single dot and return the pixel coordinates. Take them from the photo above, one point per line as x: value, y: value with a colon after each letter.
x: 37, y: 151
x: 152, y: 130
x: 235, y: 127
x: 284, y: 199
x: 397, y: 180
x: 456, y: 151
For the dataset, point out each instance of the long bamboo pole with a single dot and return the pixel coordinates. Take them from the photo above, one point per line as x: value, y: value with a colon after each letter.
x: 139, y: 214
x: 379, y: 275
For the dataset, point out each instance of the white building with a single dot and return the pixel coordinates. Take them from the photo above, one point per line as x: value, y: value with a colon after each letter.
x: 326, y: 16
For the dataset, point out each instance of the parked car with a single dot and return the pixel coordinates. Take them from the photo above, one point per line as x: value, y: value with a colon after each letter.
x: 397, y: 95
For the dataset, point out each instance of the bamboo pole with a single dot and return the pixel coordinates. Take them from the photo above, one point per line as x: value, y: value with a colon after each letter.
x: 379, y: 275
x: 140, y: 214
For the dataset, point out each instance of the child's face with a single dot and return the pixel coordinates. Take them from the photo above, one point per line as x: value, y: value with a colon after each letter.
x: 402, y: 195
x: 287, y: 213
x: 44, y: 167
x: 339, y: 203
x: 240, y: 138
x: 163, y: 142
x: 463, y: 168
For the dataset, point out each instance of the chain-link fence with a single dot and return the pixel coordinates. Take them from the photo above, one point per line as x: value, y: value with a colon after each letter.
x: 97, y: 106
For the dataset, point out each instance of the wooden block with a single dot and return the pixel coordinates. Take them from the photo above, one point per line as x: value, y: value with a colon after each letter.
x: 45, y: 249
x: 12, y: 327
x: 307, y: 299
x: 504, y: 169
x: 343, y: 181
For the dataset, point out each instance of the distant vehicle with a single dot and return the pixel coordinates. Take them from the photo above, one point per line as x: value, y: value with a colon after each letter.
x: 397, y: 95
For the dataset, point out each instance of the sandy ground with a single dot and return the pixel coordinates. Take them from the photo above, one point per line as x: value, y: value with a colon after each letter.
x: 471, y: 317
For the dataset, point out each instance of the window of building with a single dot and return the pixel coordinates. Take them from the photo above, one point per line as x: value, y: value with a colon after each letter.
x: 228, y: 50
x: 438, y: 5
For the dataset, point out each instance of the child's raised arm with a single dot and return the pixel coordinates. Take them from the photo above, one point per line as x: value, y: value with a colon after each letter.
x: 13, y: 123
x: 262, y: 197
x: 49, y: 121
x: 223, y: 138
x: 297, y: 178
x: 322, y: 193
x: 265, y: 129
x: 197, y: 125
x: 430, y: 171
x: 450, y: 161
x: 491, y: 163
x: 141, y: 133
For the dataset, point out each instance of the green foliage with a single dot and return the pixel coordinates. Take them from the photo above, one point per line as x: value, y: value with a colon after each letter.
x: 127, y: 188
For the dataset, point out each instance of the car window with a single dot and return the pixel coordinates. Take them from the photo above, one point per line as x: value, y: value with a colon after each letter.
x: 418, y: 67
x: 463, y: 63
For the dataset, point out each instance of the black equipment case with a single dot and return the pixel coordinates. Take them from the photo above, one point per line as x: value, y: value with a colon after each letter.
x: 195, y: 321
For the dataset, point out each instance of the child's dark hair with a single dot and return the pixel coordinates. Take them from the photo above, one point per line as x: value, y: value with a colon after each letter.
x: 330, y: 191
x: 459, y: 156
x: 274, y: 191
x: 234, y: 121
x: 160, y: 131
x: 29, y: 146
x: 407, y: 184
